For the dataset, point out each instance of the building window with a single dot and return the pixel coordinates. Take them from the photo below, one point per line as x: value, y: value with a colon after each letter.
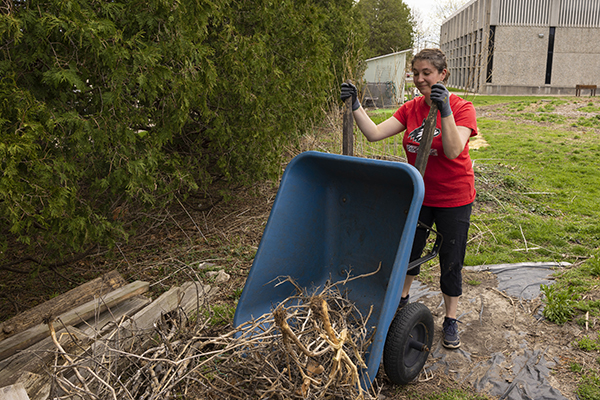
x: 490, y: 57
x: 550, y: 54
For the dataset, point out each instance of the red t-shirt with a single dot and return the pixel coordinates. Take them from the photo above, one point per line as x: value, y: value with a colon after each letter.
x: 448, y: 183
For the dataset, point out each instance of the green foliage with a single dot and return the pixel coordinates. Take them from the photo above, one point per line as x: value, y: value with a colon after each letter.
x: 378, y: 116
x: 538, y: 184
x: 390, y: 26
x: 543, y: 117
x: 592, y: 122
x: 537, y: 193
x: 512, y: 102
x: 595, y: 267
x: 589, y: 387
x: 574, y: 367
x: 220, y: 314
x: 237, y: 293
x: 588, y: 344
x: 559, y: 304
x: 113, y: 106
x: 581, y: 281
x: 452, y: 394
x: 590, y: 108
x: 456, y: 394
x: 546, y: 108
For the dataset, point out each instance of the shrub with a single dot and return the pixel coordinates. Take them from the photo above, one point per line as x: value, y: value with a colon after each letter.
x: 559, y: 304
x: 113, y: 106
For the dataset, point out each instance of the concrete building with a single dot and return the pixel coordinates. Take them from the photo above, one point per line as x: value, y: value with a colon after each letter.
x: 385, y: 76
x: 523, y: 46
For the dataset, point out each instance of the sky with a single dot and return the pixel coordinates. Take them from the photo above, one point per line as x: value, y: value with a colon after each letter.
x: 426, y: 9
x: 425, y: 6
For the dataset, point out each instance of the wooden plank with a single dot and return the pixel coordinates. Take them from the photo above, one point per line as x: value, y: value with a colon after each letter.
x: 22, y: 340
x: 348, y: 129
x: 426, y: 139
x: 37, y: 386
x: 185, y: 296
x: 59, y: 304
x: 37, y: 357
x: 96, y: 326
x: 33, y: 359
x: 196, y: 294
x: 13, y: 392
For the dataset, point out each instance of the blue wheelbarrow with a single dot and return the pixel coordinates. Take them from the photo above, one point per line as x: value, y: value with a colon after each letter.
x: 336, y: 213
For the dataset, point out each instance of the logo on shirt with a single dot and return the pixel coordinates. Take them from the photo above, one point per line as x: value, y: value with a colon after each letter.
x: 417, y: 134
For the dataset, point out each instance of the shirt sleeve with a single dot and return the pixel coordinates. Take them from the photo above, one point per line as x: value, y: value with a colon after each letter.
x: 400, y: 114
x: 464, y: 114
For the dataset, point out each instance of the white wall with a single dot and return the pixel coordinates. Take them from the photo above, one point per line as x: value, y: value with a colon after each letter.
x: 389, y: 68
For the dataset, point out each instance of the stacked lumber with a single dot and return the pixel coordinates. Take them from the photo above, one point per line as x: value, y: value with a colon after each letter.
x: 74, y: 321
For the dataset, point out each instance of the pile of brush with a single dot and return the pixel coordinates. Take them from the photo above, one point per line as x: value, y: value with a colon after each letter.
x: 310, y: 346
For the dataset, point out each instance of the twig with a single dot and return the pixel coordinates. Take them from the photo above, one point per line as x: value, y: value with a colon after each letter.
x: 64, y: 353
x: 524, y: 239
x: 182, y: 230
x: 529, y: 248
x: 193, y: 221
x: 123, y: 254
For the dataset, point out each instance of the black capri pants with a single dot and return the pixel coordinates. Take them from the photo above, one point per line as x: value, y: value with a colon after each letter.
x: 453, y: 224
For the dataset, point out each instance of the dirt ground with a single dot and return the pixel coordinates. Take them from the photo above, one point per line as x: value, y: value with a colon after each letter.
x: 492, y: 324
x: 228, y: 233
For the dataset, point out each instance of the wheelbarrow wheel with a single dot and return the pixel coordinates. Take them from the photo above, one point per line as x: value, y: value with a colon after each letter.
x: 408, y: 343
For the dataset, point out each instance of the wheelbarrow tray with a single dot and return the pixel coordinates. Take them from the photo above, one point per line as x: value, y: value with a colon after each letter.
x: 332, y: 215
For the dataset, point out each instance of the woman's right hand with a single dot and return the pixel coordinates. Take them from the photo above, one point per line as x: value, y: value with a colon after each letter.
x: 349, y: 90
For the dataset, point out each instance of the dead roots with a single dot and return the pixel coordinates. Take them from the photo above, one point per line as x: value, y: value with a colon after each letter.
x: 310, y: 346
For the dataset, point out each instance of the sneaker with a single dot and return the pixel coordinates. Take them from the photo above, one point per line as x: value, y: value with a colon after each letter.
x: 450, y: 340
x: 403, y: 301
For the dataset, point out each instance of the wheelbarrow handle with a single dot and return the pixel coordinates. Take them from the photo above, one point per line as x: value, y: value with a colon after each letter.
x: 348, y: 127
x: 426, y: 139
x: 434, y: 251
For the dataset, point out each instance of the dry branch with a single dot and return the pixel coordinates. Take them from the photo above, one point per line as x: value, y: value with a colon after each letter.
x: 310, y: 346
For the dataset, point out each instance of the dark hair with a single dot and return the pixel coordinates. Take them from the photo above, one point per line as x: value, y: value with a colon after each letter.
x: 436, y: 57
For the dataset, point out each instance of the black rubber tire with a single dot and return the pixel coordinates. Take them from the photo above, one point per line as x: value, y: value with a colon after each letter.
x: 401, y: 361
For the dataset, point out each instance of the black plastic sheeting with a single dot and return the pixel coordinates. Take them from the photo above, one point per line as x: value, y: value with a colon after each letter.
x: 526, y: 378
x: 521, y: 280
x: 529, y: 381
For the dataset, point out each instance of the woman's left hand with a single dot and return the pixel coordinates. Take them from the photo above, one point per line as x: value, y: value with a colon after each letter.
x: 441, y: 96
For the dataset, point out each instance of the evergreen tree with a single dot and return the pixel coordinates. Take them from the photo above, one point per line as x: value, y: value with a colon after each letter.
x: 130, y: 105
x: 390, y: 26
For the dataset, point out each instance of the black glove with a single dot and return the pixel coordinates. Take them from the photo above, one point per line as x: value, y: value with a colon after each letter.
x: 348, y: 90
x: 441, y: 96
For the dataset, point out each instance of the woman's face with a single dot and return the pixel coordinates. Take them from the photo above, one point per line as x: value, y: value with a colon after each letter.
x: 426, y: 75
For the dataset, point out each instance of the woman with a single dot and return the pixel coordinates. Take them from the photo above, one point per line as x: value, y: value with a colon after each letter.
x: 449, y: 178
